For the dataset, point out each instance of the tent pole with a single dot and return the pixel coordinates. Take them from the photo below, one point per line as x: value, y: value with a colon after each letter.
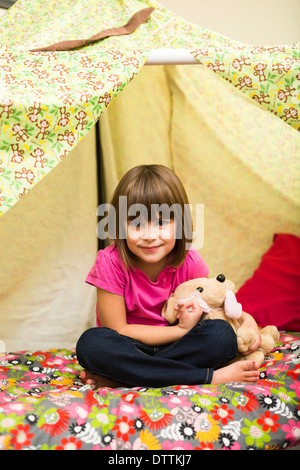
x: 170, y: 57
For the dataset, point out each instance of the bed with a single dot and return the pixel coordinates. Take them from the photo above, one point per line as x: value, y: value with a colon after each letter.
x: 45, y: 406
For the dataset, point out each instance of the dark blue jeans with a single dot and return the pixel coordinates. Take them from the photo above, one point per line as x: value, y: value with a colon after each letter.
x: 189, y: 361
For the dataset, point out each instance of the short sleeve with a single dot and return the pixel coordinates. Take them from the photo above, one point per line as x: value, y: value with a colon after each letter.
x: 195, y: 265
x: 108, y: 273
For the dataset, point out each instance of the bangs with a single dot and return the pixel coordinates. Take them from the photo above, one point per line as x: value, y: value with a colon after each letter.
x: 150, y: 194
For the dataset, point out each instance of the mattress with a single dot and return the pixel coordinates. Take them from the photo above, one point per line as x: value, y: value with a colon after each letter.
x: 45, y: 406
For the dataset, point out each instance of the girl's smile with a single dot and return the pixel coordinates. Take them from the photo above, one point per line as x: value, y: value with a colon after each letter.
x: 150, y: 249
x: 151, y: 243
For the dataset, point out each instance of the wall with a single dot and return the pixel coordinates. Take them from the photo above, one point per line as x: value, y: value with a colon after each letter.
x: 256, y: 22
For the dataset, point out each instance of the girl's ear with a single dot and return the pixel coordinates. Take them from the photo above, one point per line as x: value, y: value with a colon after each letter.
x: 168, y: 312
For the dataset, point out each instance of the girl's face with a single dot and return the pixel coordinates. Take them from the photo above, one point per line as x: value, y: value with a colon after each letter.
x: 151, y: 241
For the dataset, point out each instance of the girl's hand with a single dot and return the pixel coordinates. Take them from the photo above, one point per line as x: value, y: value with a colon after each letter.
x: 189, y: 313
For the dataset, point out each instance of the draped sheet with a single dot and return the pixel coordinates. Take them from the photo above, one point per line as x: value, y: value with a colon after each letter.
x: 48, y: 244
x: 50, y: 100
x: 235, y: 158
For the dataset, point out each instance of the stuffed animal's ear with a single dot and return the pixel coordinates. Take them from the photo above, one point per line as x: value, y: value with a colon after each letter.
x: 232, y: 307
x: 168, y: 312
x: 229, y: 285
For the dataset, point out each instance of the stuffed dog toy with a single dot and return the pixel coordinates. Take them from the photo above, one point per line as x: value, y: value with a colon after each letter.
x: 217, y: 300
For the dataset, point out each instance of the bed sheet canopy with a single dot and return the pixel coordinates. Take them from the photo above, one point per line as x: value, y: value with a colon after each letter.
x: 238, y: 109
x: 50, y: 100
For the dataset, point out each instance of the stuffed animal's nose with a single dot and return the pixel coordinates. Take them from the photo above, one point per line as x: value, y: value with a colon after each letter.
x: 221, y: 278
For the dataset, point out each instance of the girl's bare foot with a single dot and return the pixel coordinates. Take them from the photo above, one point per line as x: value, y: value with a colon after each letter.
x: 97, y: 381
x: 241, y: 371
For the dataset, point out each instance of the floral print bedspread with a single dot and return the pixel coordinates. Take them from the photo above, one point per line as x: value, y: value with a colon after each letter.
x: 45, y: 406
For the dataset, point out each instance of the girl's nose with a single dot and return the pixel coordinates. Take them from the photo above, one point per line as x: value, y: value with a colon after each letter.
x: 149, y: 232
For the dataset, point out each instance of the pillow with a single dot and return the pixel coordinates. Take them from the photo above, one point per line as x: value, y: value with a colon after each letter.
x: 272, y: 294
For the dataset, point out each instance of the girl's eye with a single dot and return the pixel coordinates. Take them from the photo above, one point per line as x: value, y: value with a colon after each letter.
x: 134, y: 224
x: 163, y: 223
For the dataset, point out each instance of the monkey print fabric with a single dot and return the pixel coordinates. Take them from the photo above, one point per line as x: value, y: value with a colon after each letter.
x: 48, y: 103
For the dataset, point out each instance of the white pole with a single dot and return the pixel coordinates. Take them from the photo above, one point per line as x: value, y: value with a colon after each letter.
x: 170, y: 57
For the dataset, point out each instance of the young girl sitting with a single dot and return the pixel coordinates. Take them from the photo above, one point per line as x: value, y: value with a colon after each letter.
x: 132, y: 344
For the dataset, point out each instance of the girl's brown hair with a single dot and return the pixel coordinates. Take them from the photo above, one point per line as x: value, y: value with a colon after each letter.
x: 149, y: 185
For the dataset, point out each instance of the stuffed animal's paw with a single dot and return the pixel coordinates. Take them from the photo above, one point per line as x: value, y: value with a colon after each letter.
x: 245, y: 339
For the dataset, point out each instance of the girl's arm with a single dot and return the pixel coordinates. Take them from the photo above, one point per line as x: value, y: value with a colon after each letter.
x: 112, y: 314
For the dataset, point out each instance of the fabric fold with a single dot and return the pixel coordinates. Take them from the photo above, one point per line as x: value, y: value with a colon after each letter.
x: 135, y: 21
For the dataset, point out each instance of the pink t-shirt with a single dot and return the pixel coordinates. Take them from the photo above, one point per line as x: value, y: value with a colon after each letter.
x: 143, y: 298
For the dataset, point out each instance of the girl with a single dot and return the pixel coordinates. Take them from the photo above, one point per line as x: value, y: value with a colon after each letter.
x: 132, y: 344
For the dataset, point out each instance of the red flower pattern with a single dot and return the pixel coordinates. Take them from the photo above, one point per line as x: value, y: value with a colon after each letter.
x: 222, y: 413
x: 124, y: 427
x: 268, y: 421
x: 21, y: 436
